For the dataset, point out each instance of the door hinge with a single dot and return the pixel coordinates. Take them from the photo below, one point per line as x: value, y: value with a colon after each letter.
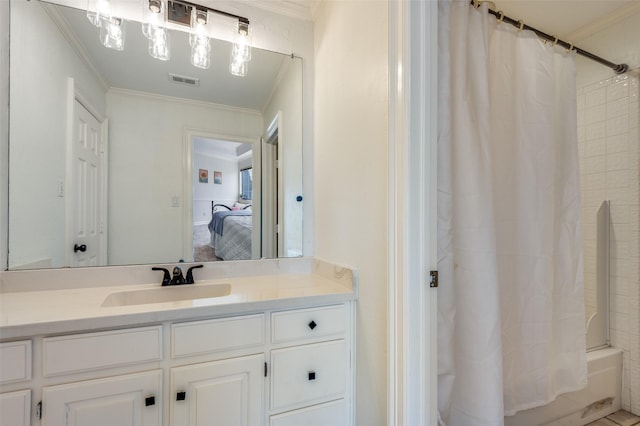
x: 39, y: 410
x: 433, y: 279
x: 265, y: 369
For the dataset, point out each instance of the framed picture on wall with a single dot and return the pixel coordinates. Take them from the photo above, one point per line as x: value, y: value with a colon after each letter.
x: 203, y: 175
x: 217, y: 178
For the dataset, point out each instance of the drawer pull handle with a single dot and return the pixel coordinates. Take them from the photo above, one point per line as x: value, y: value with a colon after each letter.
x: 181, y: 396
x: 312, y: 324
x: 150, y: 400
x: 312, y: 375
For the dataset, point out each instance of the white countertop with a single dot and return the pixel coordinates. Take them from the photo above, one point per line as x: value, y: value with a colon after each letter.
x: 30, y: 313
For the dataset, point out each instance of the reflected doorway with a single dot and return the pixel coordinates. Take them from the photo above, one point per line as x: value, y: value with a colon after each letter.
x: 221, y: 188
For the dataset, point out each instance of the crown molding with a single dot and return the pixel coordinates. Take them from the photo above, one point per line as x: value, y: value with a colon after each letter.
x: 165, y: 98
x: 605, y: 22
x: 298, y: 9
x: 75, y: 44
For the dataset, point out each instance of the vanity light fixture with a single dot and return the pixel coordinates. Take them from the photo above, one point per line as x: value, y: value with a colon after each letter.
x: 97, y: 10
x: 156, y: 15
x: 153, y: 28
x: 111, y: 28
x: 112, y: 33
x: 199, y: 39
x: 241, y: 50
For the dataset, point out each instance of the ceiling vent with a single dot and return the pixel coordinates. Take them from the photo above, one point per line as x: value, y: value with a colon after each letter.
x: 183, y: 79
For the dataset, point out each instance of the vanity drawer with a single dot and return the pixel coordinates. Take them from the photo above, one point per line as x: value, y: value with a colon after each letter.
x: 302, y: 324
x: 309, y: 374
x: 201, y: 337
x: 15, y: 362
x: 91, y: 351
x: 329, y: 414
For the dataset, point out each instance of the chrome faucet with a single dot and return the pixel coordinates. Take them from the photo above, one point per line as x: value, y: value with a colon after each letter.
x: 178, y: 278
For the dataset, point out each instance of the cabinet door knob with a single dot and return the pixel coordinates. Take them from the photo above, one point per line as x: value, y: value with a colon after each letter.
x: 312, y: 324
x: 150, y: 400
x: 181, y: 396
x: 312, y: 375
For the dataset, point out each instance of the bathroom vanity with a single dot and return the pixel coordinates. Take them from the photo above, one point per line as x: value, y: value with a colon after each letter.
x: 276, y: 350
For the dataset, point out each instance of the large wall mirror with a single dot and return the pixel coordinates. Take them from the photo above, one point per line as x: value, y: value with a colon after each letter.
x: 118, y: 158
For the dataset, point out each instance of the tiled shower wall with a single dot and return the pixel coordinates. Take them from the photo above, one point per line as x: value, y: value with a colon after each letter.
x: 609, y: 144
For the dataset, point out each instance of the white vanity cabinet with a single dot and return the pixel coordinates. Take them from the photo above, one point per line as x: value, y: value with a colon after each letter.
x: 15, y: 408
x: 310, y: 367
x: 15, y: 368
x: 272, y: 367
x: 218, y: 393
x: 127, y: 400
x: 227, y: 391
x: 116, y: 399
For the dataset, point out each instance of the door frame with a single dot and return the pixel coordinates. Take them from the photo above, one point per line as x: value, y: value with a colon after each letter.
x: 188, y: 134
x: 274, y: 132
x: 74, y: 93
x: 412, y: 304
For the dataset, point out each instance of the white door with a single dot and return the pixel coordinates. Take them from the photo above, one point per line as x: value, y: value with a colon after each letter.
x: 15, y: 408
x: 128, y: 400
x: 86, y: 189
x: 220, y: 393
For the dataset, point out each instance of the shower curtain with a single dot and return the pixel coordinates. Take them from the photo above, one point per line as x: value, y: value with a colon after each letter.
x: 511, y: 319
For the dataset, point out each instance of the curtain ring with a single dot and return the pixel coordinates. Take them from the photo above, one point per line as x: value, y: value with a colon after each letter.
x: 570, y: 47
x: 500, y: 16
x: 555, y: 39
x: 521, y: 25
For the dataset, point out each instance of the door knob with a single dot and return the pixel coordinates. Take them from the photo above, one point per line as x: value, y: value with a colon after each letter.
x: 77, y: 248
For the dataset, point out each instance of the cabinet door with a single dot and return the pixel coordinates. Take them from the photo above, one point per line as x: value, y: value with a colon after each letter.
x: 15, y: 408
x: 127, y: 400
x: 220, y: 393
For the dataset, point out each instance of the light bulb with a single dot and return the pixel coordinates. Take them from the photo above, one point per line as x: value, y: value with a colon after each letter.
x: 112, y: 33
x: 159, y: 44
x: 153, y: 16
x: 98, y: 10
x: 201, y: 53
x: 199, y: 29
x: 241, y: 50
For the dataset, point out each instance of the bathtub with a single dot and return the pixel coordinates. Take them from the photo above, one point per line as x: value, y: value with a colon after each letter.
x: 601, y: 397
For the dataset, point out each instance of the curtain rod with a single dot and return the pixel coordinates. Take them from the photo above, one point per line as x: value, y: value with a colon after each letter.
x: 617, y: 68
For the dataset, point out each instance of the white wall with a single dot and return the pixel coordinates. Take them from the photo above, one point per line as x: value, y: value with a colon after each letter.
x: 146, y: 169
x: 286, y: 99
x: 608, y: 132
x: 4, y: 131
x: 41, y: 63
x: 351, y: 143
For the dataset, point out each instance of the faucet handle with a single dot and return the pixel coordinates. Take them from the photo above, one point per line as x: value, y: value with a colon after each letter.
x: 166, y: 279
x: 178, y: 278
x: 190, y: 273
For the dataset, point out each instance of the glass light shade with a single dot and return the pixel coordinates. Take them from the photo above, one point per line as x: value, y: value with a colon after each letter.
x: 201, y: 53
x: 199, y: 30
x: 153, y: 12
x: 242, y: 39
x: 98, y: 10
x: 159, y: 43
x: 238, y: 68
x: 112, y: 33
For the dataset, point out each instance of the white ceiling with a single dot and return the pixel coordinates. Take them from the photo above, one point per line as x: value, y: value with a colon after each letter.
x: 218, y: 148
x: 134, y: 69
x: 561, y: 17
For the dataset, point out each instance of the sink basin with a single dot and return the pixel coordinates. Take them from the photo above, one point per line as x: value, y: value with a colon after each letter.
x: 166, y: 294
